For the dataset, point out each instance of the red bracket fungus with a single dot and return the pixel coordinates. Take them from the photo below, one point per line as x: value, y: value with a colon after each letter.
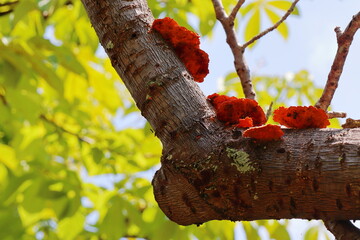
x: 234, y: 111
x: 266, y: 132
x: 186, y: 45
x: 301, y: 117
x: 245, y: 123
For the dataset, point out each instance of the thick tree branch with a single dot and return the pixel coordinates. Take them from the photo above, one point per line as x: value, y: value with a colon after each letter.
x: 343, y: 230
x: 209, y: 171
x: 241, y: 67
x: 260, y: 35
x: 344, y: 41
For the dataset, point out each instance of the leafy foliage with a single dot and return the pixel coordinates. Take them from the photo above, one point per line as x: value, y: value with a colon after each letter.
x: 66, y: 172
x: 253, y: 12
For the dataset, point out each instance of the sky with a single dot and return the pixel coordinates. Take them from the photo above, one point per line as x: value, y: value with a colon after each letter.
x: 311, y: 46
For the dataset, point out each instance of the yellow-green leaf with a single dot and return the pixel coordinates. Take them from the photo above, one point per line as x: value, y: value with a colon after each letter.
x: 312, y: 233
x: 7, y: 156
x: 274, y: 18
x: 253, y: 25
x: 284, y: 5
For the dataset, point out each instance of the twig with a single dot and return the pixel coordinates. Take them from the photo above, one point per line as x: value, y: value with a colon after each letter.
x: 240, y: 65
x: 291, y: 9
x: 233, y: 13
x: 9, y: 6
x: 82, y: 139
x: 331, y: 114
x: 3, y: 100
x: 342, y: 229
x: 8, y: 3
x: 344, y: 41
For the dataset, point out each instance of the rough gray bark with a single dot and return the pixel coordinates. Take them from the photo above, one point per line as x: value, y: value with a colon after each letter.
x: 210, y: 172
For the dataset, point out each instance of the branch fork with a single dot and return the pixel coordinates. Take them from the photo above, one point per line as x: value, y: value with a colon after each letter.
x: 238, y: 50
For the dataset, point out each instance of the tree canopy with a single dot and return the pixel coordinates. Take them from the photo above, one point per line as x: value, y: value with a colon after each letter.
x: 76, y: 158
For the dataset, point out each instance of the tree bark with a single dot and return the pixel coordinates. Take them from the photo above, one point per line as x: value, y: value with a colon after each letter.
x: 209, y: 171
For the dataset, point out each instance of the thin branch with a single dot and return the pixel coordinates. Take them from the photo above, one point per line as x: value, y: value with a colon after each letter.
x: 240, y: 65
x: 8, y: 3
x: 236, y: 9
x: 331, y: 114
x: 351, y: 123
x: 344, y: 41
x: 342, y: 229
x: 46, y: 119
x: 9, y: 6
x: 3, y: 100
x: 291, y: 9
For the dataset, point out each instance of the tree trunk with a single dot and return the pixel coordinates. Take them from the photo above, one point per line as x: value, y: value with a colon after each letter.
x: 211, y: 172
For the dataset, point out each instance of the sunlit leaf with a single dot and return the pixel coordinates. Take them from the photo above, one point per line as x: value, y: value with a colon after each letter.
x: 283, y: 5
x: 70, y: 227
x: 274, y: 18
x: 312, y: 233
x: 253, y: 25
x: 8, y: 157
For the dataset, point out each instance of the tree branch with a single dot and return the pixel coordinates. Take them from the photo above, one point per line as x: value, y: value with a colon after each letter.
x: 235, y: 10
x: 344, y: 41
x: 331, y: 114
x: 260, y: 35
x: 9, y: 3
x: 342, y: 230
x: 239, y: 61
x: 3, y: 100
x: 209, y: 171
x: 51, y: 122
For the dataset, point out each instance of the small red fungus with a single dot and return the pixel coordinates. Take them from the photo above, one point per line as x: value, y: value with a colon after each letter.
x: 186, y: 45
x: 231, y: 109
x: 216, y: 99
x: 245, y: 123
x: 266, y: 132
x: 301, y: 117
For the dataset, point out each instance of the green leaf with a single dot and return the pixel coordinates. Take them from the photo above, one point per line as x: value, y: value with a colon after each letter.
x: 250, y: 231
x: 253, y: 25
x: 8, y: 157
x: 22, y: 9
x: 70, y: 227
x: 274, y: 18
x: 97, y: 155
x: 61, y: 55
x: 312, y: 233
x: 248, y: 8
x: 8, y: 53
x: 113, y: 225
x: 284, y: 5
x: 25, y: 104
x: 279, y: 232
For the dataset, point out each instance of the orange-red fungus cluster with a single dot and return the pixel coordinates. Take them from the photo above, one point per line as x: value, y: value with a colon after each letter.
x: 266, y: 132
x: 240, y: 112
x: 301, y: 117
x: 186, y: 45
x: 245, y: 123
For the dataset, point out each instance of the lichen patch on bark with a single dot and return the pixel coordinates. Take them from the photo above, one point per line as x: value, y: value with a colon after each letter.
x: 241, y: 160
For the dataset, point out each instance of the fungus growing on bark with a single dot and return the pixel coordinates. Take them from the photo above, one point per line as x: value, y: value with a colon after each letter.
x: 245, y: 123
x: 231, y: 109
x: 186, y: 45
x: 266, y: 132
x: 301, y: 117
